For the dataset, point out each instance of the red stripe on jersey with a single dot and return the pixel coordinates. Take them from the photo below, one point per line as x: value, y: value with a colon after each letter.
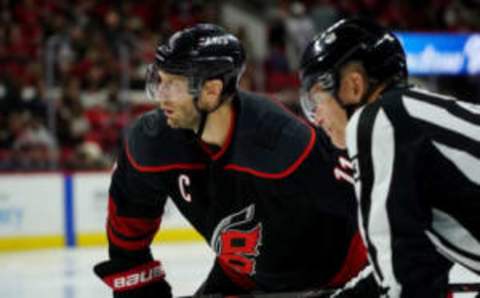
x: 281, y: 174
x: 129, y: 226
x: 168, y: 167
x: 144, y: 229
x: 354, y: 262
x: 205, y: 148
x: 128, y: 244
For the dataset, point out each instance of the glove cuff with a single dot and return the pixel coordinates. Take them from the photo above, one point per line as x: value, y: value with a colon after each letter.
x: 136, y: 277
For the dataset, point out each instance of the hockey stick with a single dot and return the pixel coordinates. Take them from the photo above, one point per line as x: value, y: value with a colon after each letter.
x: 306, y: 294
x: 464, y: 287
x: 453, y: 287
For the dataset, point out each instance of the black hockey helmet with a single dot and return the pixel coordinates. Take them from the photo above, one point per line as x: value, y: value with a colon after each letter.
x: 200, y: 53
x: 378, y: 49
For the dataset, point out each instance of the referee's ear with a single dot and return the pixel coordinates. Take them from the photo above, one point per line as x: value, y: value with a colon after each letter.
x: 353, y: 83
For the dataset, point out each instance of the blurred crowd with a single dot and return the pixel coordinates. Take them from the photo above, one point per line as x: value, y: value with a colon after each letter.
x: 71, y: 72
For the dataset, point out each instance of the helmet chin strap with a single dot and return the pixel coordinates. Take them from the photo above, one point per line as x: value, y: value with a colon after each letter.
x: 204, y: 114
x: 201, y: 124
x: 195, y: 86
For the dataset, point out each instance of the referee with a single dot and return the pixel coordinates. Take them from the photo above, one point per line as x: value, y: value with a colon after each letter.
x: 416, y: 158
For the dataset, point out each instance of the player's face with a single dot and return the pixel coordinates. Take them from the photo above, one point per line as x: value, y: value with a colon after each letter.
x: 176, y: 101
x: 329, y: 115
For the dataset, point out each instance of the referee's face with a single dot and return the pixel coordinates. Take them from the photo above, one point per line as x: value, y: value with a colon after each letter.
x: 329, y: 115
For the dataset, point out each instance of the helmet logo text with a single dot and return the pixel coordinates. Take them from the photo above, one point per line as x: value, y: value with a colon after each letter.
x: 330, y: 38
x: 215, y: 40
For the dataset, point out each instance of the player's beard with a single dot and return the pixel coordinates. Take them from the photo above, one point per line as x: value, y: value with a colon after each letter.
x: 184, y: 118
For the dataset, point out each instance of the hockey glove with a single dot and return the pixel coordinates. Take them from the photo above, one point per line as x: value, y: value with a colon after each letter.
x: 134, y: 281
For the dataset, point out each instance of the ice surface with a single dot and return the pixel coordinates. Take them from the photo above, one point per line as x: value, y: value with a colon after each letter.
x: 67, y: 273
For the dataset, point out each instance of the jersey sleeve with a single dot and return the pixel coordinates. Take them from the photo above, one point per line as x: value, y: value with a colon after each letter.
x: 386, y: 152
x: 135, y: 208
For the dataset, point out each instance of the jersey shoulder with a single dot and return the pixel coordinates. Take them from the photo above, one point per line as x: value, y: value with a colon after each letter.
x: 270, y: 141
x: 152, y: 146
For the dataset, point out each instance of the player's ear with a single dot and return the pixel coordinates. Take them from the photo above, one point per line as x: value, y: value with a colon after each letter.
x: 211, y: 92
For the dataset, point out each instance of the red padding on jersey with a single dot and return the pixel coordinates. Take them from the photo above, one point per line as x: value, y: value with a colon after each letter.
x: 136, y: 277
x: 142, y: 229
x: 355, y: 261
x: 281, y: 174
x: 242, y: 280
x: 128, y: 244
x: 449, y: 295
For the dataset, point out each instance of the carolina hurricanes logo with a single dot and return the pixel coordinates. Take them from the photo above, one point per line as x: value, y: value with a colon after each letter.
x: 183, y: 183
x: 343, y: 170
x: 238, y: 247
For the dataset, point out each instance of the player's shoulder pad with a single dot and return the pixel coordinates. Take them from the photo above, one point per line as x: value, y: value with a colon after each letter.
x: 271, y: 142
x: 152, y: 146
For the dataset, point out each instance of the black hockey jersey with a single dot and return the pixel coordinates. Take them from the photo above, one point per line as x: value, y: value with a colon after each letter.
x: 417, y: 161
x: 271, y: 202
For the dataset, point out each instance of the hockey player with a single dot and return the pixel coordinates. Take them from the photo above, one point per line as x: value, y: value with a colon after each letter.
x: 416, y: 157
x: 242, y: 170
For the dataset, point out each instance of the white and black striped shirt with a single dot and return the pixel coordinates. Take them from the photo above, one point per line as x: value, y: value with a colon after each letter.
x: 416, y: 156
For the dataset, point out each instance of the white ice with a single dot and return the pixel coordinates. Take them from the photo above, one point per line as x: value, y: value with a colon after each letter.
x: 67, y: 273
